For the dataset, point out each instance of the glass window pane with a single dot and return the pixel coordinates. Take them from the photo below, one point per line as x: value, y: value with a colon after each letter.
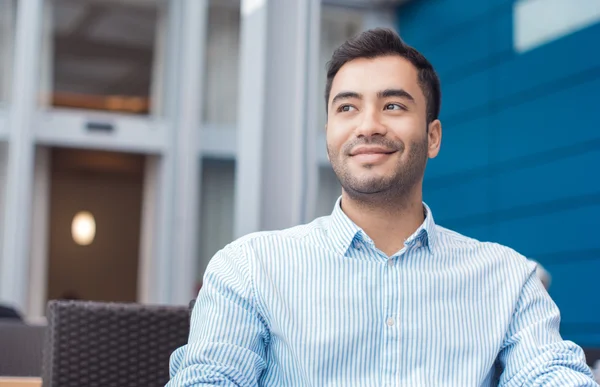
x: 104, y: 55
x: 222, y: 60
x: 216, y: 209
x: 7, y: 24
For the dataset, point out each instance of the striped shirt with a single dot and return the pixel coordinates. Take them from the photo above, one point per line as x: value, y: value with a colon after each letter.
x: 319, y: 305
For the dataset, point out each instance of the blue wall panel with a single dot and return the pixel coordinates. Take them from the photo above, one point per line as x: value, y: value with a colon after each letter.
x: 547, y: 123
x: 428, y: 20
x: 552, y: 232
x: 472, y: 197
x: 520, y: 154
x: 572, y: 59
x: 460, y: 98
x: 583, y: 274
x: 464, y: 48
x: 552, y: 182
x: 465, y: 149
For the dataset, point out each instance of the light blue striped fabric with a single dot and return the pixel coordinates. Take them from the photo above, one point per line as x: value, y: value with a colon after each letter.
x: 318, y: 305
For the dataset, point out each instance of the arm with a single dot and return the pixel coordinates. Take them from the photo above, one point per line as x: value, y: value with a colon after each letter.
x: 534, y: 353
x: 228, y: 336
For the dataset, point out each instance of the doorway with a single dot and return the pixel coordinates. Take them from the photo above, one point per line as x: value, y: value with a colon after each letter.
x: 94, y: 225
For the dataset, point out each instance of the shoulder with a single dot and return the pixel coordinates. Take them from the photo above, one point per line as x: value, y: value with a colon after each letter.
x: 500, y: 256
x: 270, y: 242
x: 274, y: 238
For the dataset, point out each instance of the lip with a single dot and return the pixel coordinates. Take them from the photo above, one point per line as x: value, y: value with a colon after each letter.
x: 371, y: 150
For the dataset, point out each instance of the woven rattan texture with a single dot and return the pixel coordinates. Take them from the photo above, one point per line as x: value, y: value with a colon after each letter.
x: 111, y: 345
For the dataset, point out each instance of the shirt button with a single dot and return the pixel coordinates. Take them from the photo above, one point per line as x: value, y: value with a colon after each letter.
x: 390, y: 321
x: 358, y: 245
x: 390, y: 262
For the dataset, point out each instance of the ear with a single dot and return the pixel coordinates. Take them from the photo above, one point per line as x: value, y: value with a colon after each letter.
x: 435, y: 138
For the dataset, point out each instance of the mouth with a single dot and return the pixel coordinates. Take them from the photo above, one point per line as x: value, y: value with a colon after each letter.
x: 371, y: 150
x: 371, y: 155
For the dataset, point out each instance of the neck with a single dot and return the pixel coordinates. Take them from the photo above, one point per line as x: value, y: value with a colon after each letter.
x: 387, y: 222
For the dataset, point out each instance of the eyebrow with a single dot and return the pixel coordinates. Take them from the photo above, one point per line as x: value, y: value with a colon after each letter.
x: 345, y: 95
x: 400, y: 93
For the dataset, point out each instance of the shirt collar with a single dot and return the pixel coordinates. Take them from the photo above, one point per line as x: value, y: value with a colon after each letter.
x: 343, y: 231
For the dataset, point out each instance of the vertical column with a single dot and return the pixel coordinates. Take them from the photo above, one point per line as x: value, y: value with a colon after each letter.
x: 157, y: 253
x: 186, y: 153
x: 38, y: 270
x: 276, y: 165
x: 152, y: 282
x: 40, y: 205
x: 19, y: 172
x: 6, y: 47
x: 148, y: 281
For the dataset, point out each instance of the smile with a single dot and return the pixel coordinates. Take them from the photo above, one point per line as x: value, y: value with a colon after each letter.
x: 371, y: 157
x: 371, y: 150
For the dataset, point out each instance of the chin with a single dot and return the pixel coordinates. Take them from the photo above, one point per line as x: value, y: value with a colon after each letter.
x: 370, y: 183
x: 373, y: 172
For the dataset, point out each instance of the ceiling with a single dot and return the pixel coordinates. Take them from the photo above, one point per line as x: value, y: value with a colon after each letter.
x: 103, y: 47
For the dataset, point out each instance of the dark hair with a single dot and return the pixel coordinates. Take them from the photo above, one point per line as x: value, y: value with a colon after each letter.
x: 385, y: 42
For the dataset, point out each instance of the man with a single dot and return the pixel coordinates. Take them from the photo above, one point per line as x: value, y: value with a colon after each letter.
x: 376, y: 294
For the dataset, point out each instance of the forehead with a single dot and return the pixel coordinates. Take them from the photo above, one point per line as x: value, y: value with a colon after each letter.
x: 370, y: 76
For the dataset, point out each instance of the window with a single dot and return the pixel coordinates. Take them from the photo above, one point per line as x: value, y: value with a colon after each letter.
x: 105, y: 55
x: 216, y: 208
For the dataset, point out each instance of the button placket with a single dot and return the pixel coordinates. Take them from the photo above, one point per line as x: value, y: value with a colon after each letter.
x: 391, y: 322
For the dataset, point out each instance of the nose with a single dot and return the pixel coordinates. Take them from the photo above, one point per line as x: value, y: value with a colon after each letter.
x: 371, y: 125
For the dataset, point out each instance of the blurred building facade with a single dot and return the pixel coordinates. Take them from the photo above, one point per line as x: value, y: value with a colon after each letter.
x: 176, y: 125
x: 181, y: 125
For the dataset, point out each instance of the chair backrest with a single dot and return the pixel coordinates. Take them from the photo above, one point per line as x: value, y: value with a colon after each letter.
x: 109, y: 344
x: 21, y: 349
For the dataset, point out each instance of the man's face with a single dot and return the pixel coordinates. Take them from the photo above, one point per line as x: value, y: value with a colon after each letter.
x: 377, y: 133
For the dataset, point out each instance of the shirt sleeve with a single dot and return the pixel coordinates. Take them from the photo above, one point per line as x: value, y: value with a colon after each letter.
x: 534, y: 354
x: 228, y: 336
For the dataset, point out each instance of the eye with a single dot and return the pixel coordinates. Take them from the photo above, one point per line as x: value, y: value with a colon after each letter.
x: 394, y: 106
x: 346, y: 108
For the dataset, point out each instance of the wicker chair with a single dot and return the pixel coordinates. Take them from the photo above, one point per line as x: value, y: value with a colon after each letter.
x: 108, y: 344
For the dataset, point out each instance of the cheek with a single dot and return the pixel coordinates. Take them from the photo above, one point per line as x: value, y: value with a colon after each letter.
x: 410, y: 129
x: 335, y: 139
